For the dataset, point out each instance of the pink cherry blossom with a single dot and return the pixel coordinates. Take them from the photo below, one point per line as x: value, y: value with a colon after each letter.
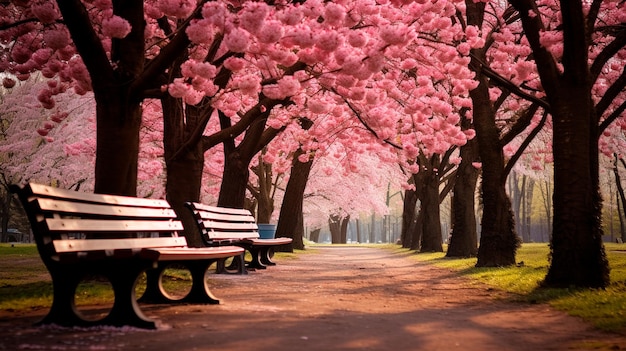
x: 237, y: 40
x: 177, y: 8
x: 115, y: 27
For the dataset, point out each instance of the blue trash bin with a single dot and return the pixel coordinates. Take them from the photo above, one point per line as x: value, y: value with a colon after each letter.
x: 267, y: 231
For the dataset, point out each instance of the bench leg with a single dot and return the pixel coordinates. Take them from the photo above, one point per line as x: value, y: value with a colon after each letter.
x: 237, y: 266
x: 256, y: 262
x: 63, y: 311
x: 154, y: 289
x: 266, y: 256
x: 200, y: 292
x: 125, y: 310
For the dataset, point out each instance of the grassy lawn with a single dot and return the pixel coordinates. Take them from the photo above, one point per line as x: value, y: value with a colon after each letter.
x: 605, y: 309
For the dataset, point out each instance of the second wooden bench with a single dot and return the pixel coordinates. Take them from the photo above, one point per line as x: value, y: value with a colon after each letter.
x: 229, y: 226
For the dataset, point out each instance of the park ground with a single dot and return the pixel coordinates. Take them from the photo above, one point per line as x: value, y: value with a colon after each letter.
x: 334, y: 298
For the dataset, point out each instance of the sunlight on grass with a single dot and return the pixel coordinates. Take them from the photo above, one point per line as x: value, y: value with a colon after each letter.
x: 606, y: 309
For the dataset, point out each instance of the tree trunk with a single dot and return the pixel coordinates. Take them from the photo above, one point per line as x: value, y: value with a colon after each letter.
x: 577, y: 253
x: 528, y: 210
x: 408, y: 217
x: 344, y: 229
x: 429, y: 207
x: 265, y: 199
x: 516, y: 195
x: 5, y: 214
x: 334, y: 225
x: 184, y: 171
x: 416, y: 231
x: 315, y: 235
x: 621, y: 199
x: 118, y: 106
x: 290, y: 218
x: 117, y: 150
x: 464, y: 238
x: 498, y: 240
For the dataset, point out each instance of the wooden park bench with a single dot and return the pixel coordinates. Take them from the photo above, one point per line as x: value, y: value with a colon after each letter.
x: 228, y: 226
x: 80, y: 235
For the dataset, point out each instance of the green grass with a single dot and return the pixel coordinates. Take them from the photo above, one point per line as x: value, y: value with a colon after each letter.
x: 605, y: 309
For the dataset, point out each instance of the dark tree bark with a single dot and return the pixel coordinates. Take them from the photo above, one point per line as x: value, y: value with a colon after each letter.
x: 315, y: 235
x: 344, y: 229
x: 621, y: 200
x: 338, y: 226
x: 237, y: 158
x: 498, y: 241
x: 290, y: 222
x: 237, y: 161
x: 334, y: 225
x: 118, y: 109
x: 184, y: 171
x: 408, y: 217
x: 577, y: 253
x: 264, y: 193
x: 464, y: 236
x: 430, y: 212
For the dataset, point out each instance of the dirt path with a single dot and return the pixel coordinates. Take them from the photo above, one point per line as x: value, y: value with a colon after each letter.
x: 338, y: 298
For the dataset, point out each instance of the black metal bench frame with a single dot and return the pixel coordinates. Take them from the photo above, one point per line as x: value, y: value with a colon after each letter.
x: 81, y: 234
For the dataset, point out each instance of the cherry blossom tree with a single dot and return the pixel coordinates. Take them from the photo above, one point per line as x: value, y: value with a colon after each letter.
x: 501, y: 66
x: 578, y: 48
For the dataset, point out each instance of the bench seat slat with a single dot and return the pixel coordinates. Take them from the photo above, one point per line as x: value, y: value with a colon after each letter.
x: 104, y: 210
x: 220, y: 235
x: 101, y: 225
x: 70, y: 245
x: 269, y: 242
x: 174, y: 254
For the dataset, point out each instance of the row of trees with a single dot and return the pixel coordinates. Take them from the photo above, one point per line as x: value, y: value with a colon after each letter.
x: 439, y: 91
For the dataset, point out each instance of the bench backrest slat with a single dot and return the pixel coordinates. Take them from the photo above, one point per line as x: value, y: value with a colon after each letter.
x: 62, y: 246
x: 245, y: 218
x: 52, y: 192
x: 101, y: 225
x: 219, y: 223
x: 214, y: 225
x: 208, y: 208
x: 68, y: 207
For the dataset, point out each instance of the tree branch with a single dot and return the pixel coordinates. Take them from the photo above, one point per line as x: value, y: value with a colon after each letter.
x: 612, y: 117
x: 520, y: 125
x: 610, y: 94
x: 87, y: 42
x: 525, y: 143
x: 505, y: 83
